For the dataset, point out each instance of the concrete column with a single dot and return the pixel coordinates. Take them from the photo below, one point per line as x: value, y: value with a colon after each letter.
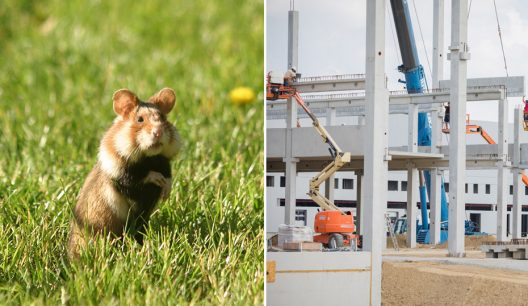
x: 291, y: 123
x: 412, y: 199
x: 293, y: 39
x: 435, y: 201
x: 517, y: 174
x: 436, y: 129
x: 330, y: 116
x: 376, y: 149
x: 436, y: 119
x: 457, y: 144
x: 361, y: 120
x: 412, y: 135
x: 518, y: 191
x: 359, y: 202
x: 438, y: 42
x: 502, y: 177
x: 329, y: 183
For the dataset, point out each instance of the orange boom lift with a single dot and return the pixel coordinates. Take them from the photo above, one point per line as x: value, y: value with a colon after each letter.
x: 334, y: 226
x: 477, y: 129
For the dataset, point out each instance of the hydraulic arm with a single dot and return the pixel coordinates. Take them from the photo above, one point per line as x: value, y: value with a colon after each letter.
x: 477, y: 129
x: 340, y: 159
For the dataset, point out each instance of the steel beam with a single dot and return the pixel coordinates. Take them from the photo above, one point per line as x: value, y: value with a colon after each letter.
x: 377, y: 117
x: 457, y: 144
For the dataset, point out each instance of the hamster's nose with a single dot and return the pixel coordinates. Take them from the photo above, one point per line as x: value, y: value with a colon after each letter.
x: 157, y: 133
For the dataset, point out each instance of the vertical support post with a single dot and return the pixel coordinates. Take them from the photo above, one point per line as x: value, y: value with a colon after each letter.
x: 438, y: 42
x: 436, y: 120
x: 412, y: 140
x: 517, y: 174
x: 291, y: 121
x: 412, y: 199
x: 376, y: 150
x: 293, y: 38
x: 436, y: 181
x: 436, y: 129
x: 457, y: 146
x: 359, y: 202
x: 329, y: 183
x: 502, y: 177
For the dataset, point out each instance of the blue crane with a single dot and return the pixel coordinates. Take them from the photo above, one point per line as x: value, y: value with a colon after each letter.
x: 415, y: 81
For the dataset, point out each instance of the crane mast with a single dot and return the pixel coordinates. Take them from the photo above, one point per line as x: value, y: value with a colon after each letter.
x: 415, y: 80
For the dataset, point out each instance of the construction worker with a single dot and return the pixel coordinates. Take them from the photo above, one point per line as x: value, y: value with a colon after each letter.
x: 447, y: 113
x: 525, y: 111
x: 289, y: 76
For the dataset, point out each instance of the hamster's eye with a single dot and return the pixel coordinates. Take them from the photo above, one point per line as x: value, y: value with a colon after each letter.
x: 140, y: 119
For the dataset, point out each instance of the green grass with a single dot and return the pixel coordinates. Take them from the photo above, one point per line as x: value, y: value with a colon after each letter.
x: 60, y: 62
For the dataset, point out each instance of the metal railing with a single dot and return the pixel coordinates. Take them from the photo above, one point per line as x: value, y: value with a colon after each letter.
x: 337, y: 77
x: 512, y: 242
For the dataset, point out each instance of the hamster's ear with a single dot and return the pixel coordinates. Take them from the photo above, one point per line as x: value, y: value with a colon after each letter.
x: 164, y: 99
x: 124, y: 102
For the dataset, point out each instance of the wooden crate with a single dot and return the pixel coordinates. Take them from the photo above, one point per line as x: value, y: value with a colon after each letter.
x: 303, y: 246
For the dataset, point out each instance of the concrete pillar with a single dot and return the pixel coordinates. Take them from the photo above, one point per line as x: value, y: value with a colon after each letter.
x: 412, y: 199
x: 291, y: 123
x: 438, y: 42
x: 435, y: 204
x: 376, y: 149
x: 502, y: 177
x: 361, y: 120
x: 359, y: 202
x: 457, y: 144
x: 293, y: 39
x: 436, y: 129
x: 329, y: 183
x: 517, y: 174
x: 436, y: 119
x: 412, y: 134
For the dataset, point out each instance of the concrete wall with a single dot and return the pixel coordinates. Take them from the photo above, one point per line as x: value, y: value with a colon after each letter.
x: 319, y: 278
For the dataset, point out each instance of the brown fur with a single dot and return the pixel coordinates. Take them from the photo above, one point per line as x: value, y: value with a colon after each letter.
x: 101, y: 208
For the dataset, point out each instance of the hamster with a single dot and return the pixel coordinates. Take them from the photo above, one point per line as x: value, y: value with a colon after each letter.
x: 132, y: 173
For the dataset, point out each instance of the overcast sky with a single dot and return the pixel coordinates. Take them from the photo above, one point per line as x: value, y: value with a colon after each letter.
x: 332, y: 40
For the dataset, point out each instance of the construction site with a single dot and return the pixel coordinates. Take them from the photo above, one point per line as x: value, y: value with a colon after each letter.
x: 366, y: 246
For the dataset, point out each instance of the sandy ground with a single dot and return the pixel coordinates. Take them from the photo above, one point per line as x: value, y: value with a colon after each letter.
x: 471, y: 242
x: 427, y: 276
x: 433, y: 283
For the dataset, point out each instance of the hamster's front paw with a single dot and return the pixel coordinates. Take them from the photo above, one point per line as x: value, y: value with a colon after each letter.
x: 155, y: 178
x: 158, y: 179
x: 166, y: 189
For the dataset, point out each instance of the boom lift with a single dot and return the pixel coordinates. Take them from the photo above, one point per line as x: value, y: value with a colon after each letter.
x: 335, y: 226
x: 477, y: 129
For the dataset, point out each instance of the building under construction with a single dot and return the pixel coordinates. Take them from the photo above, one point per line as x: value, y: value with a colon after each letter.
x: 376, y: 137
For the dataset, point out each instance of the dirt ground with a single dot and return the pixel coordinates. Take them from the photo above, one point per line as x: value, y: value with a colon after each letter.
x: 428, y: 283
x: 471, y: 242
x: 439, y: 283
